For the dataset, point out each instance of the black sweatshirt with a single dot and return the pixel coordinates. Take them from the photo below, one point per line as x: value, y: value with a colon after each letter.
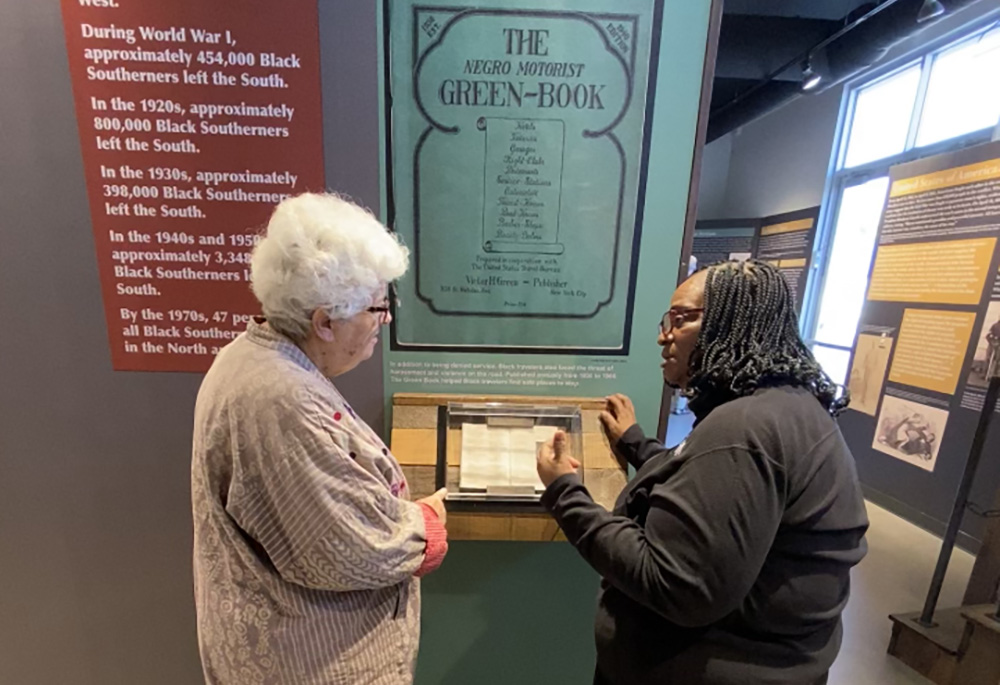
x: 726, y: 559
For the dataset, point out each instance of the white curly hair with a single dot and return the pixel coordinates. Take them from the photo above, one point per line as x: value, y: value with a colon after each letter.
x: 322, y: 251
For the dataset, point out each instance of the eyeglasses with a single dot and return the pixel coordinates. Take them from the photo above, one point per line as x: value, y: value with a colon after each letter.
x: 677, y: 317
x: 382, y: 312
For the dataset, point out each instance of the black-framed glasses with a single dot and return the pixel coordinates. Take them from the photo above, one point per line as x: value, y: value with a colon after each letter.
x: 382, y: 312
x: 675, y: 317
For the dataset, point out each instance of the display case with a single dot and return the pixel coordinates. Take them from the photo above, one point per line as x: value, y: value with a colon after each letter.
x: 427, y: 441
x: 496, y: 444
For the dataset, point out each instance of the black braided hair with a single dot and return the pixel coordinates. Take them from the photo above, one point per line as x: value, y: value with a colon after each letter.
x: 750, y: 339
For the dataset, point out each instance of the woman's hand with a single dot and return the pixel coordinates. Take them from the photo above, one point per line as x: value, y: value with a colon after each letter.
x: 554, y: 459
x: 618, y: 416
x: 436, y: 502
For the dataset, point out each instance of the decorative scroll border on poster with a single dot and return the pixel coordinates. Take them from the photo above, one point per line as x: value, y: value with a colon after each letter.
x: 531, y: 124
x: 933, y: 301
x: 195, y: 119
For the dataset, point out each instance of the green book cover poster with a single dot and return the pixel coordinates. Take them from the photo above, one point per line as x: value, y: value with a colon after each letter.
x: 518, y: 137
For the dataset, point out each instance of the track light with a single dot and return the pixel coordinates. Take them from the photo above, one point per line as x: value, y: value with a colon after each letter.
x: 929, y: 10
x: 810, y: 79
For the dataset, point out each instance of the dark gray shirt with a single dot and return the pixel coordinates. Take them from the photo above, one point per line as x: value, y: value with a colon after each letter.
x: 726, y: 559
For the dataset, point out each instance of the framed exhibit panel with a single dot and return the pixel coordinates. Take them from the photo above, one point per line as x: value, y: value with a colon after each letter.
x: 518, y: 142
x: 930, y: 322
x: 195, y: 119
x: 521, y: 141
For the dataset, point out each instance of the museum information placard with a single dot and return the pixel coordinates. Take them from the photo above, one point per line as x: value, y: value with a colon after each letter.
x: 195, y: 119
x: 786, y: 241
x: 930, y: 323
x: 517, y: 146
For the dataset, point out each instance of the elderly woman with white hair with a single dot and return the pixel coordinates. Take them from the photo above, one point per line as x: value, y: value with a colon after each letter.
x: 307, y: 549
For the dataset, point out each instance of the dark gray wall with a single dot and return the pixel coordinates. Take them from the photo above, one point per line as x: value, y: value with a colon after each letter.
x: 95, y: 531
x: 713, y: 178
x: 778, y: 163
x: 351, y: 79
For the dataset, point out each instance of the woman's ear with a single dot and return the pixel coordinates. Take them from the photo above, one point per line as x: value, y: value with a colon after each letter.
x: 322, y: 325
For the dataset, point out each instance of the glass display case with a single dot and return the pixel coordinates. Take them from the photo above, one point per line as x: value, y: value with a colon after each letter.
x: 487, y: 452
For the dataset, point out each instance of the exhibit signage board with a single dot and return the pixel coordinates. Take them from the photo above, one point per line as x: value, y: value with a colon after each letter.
x: 718, y: 241
x: 195, y: 119
x: 463, y: 352
x: 518, y: 139
x: 785, y: 240
x: 932, y: 307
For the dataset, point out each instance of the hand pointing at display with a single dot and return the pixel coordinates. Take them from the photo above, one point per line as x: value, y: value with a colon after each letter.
x: 555, y: 460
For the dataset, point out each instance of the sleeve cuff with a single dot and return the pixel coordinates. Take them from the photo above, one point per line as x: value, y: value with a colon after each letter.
x: 631, y: 438
x: 557, y: 487
x: 629, y: 445
x: 437, y: 541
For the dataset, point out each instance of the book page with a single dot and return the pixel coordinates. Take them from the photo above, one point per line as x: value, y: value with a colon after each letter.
x: 485, y: 459
x: 523, y: 454
x: 493, y: 456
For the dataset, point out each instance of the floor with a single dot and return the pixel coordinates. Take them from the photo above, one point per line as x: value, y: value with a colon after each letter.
x: 893, y: 578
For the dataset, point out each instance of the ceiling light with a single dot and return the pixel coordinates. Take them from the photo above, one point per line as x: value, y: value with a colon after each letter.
x: 810, y: 79
x: 929, y: 10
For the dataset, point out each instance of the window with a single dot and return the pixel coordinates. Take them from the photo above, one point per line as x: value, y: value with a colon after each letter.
x: 833, y: 361
x: 947, y: 99
x: 850, y: 260
x: 882, y: 114
x: 963, y: 94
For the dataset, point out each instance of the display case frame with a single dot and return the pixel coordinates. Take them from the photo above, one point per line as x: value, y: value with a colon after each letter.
x: 416, y: 443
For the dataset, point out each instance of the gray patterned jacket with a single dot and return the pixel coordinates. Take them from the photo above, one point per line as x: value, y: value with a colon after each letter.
x: 306, y: 548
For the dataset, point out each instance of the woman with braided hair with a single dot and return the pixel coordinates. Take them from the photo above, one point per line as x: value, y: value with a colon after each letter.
x: 726, y: 559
